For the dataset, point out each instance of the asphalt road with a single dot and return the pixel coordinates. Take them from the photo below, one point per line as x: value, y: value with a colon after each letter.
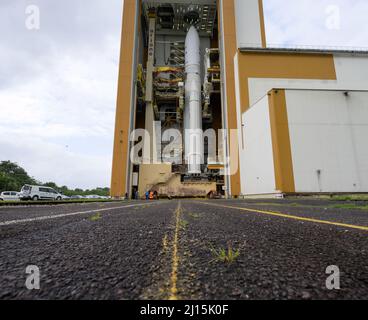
x: 167, y: 250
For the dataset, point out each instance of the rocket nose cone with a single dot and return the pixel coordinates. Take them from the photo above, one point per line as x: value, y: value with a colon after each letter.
x: 193, y: 31
x: 192, y: 35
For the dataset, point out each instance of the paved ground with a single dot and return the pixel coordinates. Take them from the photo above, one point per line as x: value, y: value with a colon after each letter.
x: 166, y: 250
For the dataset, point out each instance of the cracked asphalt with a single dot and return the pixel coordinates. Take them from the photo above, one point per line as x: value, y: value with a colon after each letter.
x: 165, y: 250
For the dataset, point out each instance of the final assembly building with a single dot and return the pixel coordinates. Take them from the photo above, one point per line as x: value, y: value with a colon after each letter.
x: 206, y: 107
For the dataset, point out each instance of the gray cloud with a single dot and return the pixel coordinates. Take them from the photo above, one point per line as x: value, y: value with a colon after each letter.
x: 305, y: 22
x: 58, y: 89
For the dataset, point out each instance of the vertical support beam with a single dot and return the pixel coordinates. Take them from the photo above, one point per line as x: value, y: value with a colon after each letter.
x: 228, y: 47
x: 283, y: 162
x: 125, y: 101
x: 151, y: 56
x: 149, y: 151
x: 262, y: 22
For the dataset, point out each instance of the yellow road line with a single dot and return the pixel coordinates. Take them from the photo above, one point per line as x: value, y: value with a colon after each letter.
x: 288, y: 216
x: 165, y: 242
x: 175, y: 258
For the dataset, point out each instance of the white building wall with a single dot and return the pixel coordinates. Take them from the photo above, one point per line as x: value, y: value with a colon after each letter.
x: 248, y: 23
x: 257, y: 173
x: 351, y: 72
x: 328, y: 133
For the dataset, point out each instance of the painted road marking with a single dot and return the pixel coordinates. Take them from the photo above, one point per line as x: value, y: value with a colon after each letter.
x: 7, y: 223
x: 289, y: 216
x: 175, y: 257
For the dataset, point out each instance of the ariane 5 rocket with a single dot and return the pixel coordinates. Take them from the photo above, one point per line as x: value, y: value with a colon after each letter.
x: 193, y: 134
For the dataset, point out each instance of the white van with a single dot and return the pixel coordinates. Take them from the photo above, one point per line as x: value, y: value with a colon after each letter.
x: 36, y: 193
x: 9, y: 196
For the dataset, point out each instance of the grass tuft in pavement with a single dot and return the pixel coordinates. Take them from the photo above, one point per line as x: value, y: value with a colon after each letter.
x: 194, y: 215
x: 183, y: 224
x: 96, y: 217
x: 226, y: 255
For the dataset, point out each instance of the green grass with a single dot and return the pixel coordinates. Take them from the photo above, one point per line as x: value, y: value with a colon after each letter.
x: 350, y: 206
x: 350, y: 198
x: 184, y: 224
x: 9, y: 201
x: 194, y: 215
x: 141, y: 207
x: 96, y: 217
x: 225, y: 255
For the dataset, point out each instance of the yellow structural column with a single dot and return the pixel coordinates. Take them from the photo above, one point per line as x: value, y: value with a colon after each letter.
x: 262, y: 22
x: 124, y: 106
x: 282, y: 157
x: 228, y: 38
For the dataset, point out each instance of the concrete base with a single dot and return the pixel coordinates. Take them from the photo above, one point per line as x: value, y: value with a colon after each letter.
x: 159, y: 178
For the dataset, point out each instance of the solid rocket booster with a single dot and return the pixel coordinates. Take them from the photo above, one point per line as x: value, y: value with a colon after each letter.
x: 193, y: 134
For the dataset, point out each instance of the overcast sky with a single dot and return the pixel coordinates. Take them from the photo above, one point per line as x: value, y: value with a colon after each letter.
x: 58, y: 84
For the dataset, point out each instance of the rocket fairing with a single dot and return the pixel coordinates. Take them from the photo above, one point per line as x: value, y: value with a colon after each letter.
x: 193, y: 134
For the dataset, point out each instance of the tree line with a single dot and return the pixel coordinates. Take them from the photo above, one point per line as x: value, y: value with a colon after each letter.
x: 13, y: 178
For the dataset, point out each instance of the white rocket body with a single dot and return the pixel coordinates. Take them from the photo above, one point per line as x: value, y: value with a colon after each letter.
x: 193, y: 134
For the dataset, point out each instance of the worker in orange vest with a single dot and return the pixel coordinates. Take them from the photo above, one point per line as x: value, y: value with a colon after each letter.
x: 151, y: 195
